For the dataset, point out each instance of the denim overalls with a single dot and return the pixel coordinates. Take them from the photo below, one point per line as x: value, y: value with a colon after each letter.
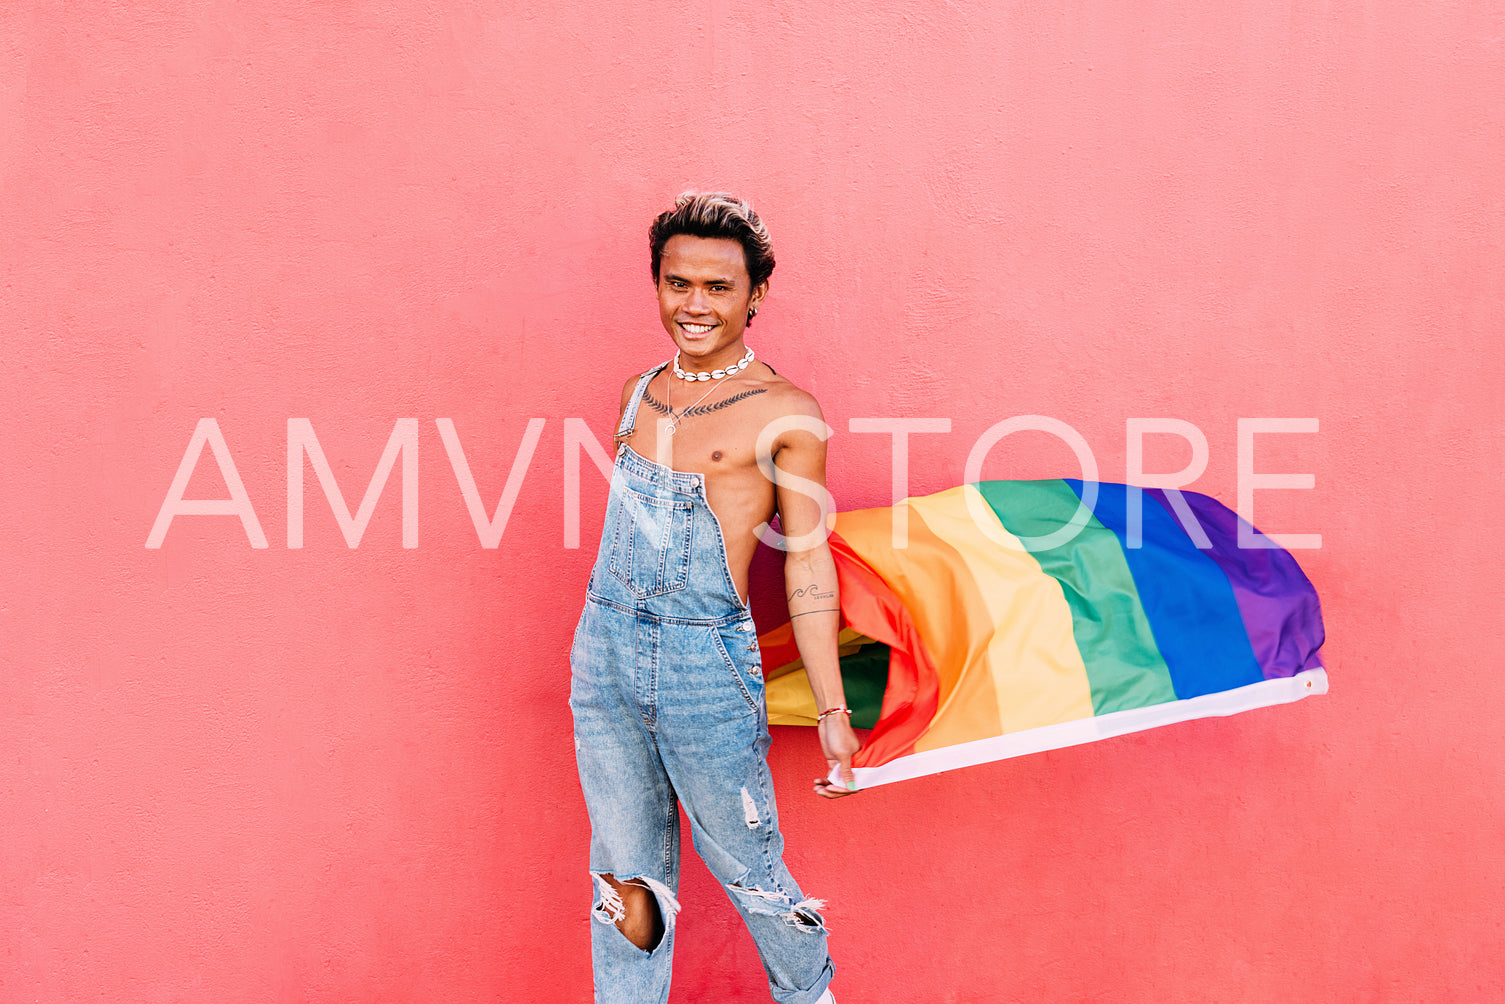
x: 666, y: 687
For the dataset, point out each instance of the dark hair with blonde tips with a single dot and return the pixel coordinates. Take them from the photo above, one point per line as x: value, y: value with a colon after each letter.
x: 715, y: 214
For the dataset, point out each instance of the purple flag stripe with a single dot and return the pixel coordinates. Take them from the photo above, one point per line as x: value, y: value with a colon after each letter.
x: 1275, y: 598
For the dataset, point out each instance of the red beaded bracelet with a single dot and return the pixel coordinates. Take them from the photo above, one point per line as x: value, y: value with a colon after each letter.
x: 840, y: 709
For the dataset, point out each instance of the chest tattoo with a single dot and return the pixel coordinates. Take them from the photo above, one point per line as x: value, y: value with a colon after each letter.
x: 702, y: 409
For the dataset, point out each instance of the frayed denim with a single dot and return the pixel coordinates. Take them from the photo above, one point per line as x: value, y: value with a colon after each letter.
x: 667, y: 695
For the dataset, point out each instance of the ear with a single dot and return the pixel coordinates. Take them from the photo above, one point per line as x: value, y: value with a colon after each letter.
x: 759, y: 291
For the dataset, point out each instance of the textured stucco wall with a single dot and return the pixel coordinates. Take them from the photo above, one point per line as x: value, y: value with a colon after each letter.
x: 334, y: 774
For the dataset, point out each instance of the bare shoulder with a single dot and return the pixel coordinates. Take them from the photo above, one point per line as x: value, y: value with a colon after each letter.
x: 792, y: 412
x: 632, y: 381
x: 783, y: 398
x: 627, y: 388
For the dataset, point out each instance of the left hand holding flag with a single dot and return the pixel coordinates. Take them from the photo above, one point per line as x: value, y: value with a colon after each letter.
x: 838, y: 742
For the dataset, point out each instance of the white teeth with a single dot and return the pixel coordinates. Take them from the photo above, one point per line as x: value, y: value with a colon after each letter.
x: 698, y: 329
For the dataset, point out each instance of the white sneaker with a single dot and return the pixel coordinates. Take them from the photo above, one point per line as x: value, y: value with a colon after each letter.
x: 826, y: 998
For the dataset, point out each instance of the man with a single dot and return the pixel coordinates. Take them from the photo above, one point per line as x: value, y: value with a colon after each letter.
x: 666, y: 682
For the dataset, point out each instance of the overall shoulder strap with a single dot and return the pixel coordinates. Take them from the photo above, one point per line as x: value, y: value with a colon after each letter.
x: 630, y: 413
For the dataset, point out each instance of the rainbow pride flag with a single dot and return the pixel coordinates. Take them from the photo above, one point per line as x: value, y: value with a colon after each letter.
x: 998, y: 631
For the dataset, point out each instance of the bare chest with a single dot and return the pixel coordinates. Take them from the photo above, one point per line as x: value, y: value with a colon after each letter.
x: 716, y: 437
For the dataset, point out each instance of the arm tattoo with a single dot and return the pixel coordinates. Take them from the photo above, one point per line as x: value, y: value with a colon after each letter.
x: 812, y: 590
x: 703, y: 409
x: 822, y: 610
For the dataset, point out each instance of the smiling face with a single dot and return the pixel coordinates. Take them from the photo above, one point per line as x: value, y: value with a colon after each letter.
x: 704, y: 294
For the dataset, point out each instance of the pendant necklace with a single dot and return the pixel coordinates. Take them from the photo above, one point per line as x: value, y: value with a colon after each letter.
x: 675, y: 422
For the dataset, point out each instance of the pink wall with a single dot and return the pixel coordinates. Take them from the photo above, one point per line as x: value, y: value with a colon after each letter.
x: 325, y: 774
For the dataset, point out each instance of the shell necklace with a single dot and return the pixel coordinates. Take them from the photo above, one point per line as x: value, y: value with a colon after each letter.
x: 740, y: 364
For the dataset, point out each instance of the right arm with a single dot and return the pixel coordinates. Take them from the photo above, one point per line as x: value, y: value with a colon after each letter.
x: 627, y: 388
x: 632, y: 382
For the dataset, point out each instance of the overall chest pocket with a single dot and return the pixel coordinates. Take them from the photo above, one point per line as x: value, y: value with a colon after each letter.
x: 650, y: 544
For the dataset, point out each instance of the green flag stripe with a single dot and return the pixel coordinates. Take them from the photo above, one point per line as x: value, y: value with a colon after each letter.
x: 1124, y: 665
x: 864, y: 678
